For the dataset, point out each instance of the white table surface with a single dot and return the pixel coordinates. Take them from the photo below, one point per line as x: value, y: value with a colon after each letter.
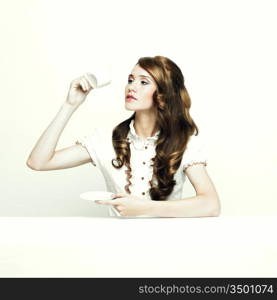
x: 144, y: 247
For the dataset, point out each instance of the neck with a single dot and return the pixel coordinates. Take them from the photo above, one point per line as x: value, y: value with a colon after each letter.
x: 145, y: 124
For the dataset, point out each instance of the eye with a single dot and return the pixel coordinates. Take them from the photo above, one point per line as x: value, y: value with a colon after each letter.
x: 143, y: 82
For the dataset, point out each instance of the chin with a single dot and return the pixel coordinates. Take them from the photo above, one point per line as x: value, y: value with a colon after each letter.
x: 127, y: 107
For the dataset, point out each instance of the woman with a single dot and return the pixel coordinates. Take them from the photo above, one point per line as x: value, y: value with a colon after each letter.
x: 147, y: 157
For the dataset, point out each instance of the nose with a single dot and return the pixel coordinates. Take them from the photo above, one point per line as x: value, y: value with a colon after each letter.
x: 132, y: 86
x: 131, y: 89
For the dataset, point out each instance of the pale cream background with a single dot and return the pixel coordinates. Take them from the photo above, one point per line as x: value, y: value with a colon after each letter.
x: 236, y: 246
x: 226, y: 50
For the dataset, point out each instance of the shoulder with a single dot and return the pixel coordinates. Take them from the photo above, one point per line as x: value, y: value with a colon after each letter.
x: 98, y: 143
x: 195, y: 142
x: 196, y: 151
x: 96, y: 137
x: 100, y: 133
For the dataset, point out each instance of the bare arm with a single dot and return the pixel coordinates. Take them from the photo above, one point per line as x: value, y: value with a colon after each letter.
x: 206, y: 203
x: 44, y: 155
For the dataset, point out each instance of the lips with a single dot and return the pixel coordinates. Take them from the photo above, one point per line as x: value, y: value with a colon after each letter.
x: 131, y: 97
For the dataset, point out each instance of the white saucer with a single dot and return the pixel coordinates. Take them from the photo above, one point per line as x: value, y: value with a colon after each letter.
x: 97, y: 195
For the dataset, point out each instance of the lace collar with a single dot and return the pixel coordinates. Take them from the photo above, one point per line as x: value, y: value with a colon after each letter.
x: 138, y: 141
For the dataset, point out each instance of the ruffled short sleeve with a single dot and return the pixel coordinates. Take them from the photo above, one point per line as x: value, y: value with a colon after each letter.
x: 91, y: 143
x: 195, y: 153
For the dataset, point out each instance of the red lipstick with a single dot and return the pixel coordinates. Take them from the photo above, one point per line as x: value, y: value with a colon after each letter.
x: 130, y: 97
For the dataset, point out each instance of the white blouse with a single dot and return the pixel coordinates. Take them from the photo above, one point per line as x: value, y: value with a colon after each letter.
x: 100, y: 148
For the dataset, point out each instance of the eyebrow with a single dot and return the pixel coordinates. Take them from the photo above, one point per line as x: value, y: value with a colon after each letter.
x: 139, y: 76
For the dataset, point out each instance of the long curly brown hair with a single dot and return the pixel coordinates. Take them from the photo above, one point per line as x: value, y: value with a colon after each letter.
x: 172, y: 103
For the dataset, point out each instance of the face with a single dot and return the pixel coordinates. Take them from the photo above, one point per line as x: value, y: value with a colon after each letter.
x: 142, y: 86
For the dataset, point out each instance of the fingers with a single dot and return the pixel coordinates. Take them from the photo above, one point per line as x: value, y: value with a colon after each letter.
x: 119, y: 208
x: 86, y: 84
x: 83, y: 85
x: 119, y: 195
x: 108, y: 202
x: 117, y: 204
x: 91, y: 83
